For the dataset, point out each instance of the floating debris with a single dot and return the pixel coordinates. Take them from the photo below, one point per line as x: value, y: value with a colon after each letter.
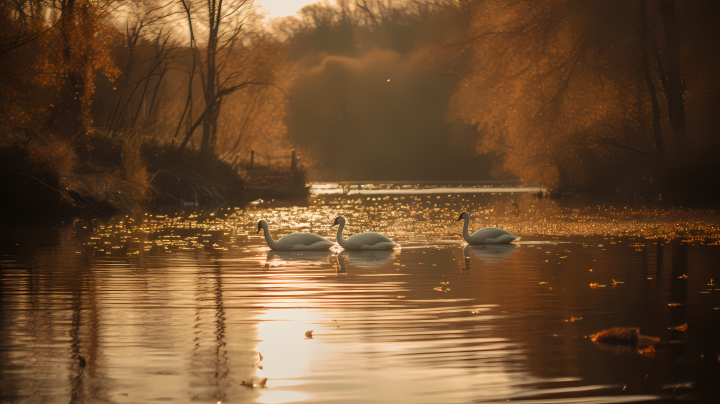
x: 622, y: 340
x: 308, y: 334
x: 252, y: 384
x: 682, y: 328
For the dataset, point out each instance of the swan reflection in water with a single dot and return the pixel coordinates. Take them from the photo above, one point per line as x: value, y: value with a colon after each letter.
x: 364, y: 259
x: 488, y: 252
x: 297, y: 257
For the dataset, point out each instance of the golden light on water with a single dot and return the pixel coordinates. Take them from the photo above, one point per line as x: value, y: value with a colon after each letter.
x: 288, y: 353
x: 276, y: 397
x: 408, y: 219
x: 158, y: 301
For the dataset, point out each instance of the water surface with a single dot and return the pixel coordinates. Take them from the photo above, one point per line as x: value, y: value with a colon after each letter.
x: 179, y: 308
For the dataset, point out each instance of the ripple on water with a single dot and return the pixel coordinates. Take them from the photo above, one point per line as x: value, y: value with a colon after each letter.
x: 151, y: 303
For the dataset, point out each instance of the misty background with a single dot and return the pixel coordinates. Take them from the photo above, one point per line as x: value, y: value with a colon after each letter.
x: 600, y: 96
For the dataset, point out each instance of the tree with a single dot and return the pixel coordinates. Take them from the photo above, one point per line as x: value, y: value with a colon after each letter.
x: 555, y: 85
x: 232, y: 54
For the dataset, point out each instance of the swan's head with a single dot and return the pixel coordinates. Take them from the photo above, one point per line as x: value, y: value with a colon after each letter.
x: 339, y: 220
x: 261, y: 224
x: 463, y: 216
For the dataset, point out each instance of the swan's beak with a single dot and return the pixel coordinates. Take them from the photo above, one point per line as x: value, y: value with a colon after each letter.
x: 259, y: 228
x: 460, y: 218
x: 335, y: 222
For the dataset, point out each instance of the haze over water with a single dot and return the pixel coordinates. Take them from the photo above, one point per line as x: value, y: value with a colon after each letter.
x: 156, y: 308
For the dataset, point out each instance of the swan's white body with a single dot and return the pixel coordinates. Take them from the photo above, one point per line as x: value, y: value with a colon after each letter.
x: 488, y: 235
x: 295, y: 241
x: 362, y: 241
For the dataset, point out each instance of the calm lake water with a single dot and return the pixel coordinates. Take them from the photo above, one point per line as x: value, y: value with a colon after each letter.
x: 179, y: 308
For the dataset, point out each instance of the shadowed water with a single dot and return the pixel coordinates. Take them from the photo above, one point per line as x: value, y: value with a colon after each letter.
x: 142, y: 309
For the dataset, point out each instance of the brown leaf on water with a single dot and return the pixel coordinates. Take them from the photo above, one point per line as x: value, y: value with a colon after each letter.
x: 260, y: 355
x: 682, y: 328
x: 622, y: 340
x: 252, y: 384
x: 594, y: 285
x: 260, y: 367
x: 674, y: 304
x: 614, y: 283
x: 551, y: 288
x: 442, y: 289
x: 617, y: 336
x: 308, y: 334
x: 682, y: 277
x: 648, y: 352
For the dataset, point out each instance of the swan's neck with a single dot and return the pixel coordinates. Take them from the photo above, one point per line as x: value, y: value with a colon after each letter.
x: 270, y: 241
x: 340, y: 238
x: 466, y: 227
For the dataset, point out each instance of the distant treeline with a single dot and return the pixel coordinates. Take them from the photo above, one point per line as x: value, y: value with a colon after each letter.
x: 594, y: 94
x: 601, y: 95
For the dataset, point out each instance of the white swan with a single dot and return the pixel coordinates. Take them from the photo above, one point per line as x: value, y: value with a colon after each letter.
x: 295, y: 241
x: 362, y: 241
x: 488, y: 235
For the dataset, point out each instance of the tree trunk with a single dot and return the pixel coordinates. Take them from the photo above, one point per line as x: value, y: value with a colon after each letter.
x: 676, y: 106
x: 211, y: 117
x: 645, y: 64
x: 68, y: 115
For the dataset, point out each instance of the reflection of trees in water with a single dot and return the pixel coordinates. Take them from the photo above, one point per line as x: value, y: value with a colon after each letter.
x: 209, y: 289
x: 56, y: 300
x: 678, y: 294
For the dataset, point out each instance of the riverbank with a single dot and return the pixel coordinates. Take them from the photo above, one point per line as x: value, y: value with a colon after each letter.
x: 55, y: 179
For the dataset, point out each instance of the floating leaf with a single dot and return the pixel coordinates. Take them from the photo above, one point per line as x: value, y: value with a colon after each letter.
x: 682, y: 328
x: 648, y: 352
x: 594, y: 285
x: 309, y: 333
